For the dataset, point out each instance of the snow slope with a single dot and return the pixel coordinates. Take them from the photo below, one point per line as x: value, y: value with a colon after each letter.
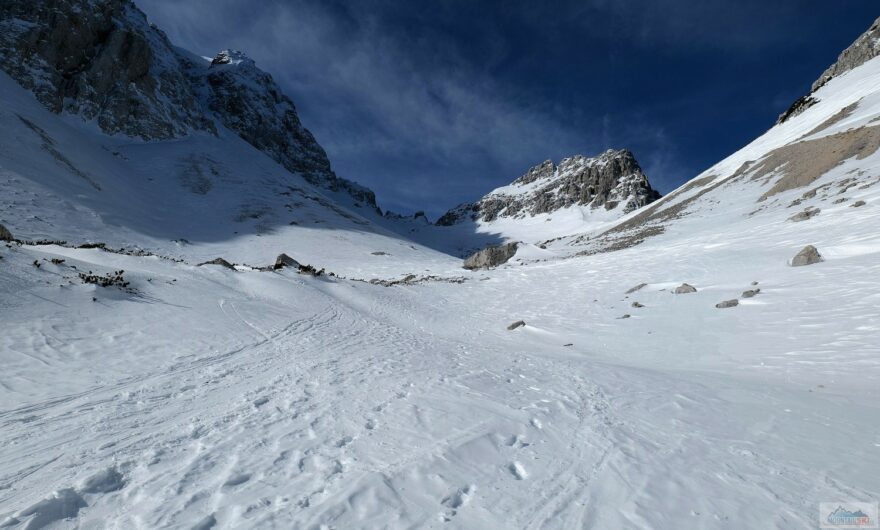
x: 194, y: 198
x: 203, y: 397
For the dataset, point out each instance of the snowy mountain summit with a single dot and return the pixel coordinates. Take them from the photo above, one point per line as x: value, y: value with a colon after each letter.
x: 610, y: 180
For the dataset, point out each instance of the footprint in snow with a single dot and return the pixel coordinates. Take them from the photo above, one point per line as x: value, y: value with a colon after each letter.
x: 518, y: 471
x: 460, y: 497
x: 237, y: 480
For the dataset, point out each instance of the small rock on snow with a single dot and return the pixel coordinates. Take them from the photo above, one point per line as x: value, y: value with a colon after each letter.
x: 685, y: 289
x: 807, y: 256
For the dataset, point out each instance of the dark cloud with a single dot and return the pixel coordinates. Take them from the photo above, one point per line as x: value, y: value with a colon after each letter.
x: 431, y: 104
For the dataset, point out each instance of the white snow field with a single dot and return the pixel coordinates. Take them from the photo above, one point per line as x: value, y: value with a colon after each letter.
x: 204, y: 397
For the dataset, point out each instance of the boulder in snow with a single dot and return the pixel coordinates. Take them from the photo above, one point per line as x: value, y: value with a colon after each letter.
x: 807, y: 256
x: 750, y: 293
x: 491, y: 256
x: 283, y: 260
x: 517, y: 324
x: 727, y: 303
x: 5, y: 235
x: 685, y: 288
x: 857, y: 204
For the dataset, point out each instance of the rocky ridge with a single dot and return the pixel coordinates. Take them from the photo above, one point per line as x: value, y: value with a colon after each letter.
x: 865, y: 48
x: 607, y: 180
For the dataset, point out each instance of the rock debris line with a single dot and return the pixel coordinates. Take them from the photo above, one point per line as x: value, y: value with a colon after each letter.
x: 804, y: 215
x: 218, y: 261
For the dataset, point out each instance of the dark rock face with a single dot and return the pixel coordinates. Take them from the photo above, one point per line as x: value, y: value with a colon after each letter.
x: 865, y: 48
x: 5, y: 234
x: 491, y: 256
x: 102, y: 60
x: 807, y: 256
x: 607, y: 180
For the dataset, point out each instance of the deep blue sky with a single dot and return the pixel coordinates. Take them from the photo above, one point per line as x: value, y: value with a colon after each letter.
x: 435, y: 103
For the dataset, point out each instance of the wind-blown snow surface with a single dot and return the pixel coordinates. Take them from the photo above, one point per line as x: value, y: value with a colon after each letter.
x: 212, y: 398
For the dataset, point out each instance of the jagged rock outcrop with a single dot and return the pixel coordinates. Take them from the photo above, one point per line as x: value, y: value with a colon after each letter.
x: 865, y: 48
x: 608, y: 180
x: 491, y: 256
x: 102, y: 60
x: 5, y: 234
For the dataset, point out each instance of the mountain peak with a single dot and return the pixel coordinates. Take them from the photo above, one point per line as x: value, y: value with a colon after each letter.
x: 231, y: 57
x: 609, y: 180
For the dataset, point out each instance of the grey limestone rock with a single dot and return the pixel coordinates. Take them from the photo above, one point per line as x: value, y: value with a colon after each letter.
x: 807, y: 256
x: 491, y: 256
x: 685, y: 289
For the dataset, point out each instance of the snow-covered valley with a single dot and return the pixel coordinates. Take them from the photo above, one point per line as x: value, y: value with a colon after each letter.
x: 141, y: 389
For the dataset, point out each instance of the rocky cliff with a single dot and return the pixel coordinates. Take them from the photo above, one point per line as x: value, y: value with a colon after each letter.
x: 865, y: 48
x: 103, y: 61
x: 607, y: 181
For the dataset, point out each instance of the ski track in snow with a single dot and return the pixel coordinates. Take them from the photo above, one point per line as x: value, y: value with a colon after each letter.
x: 361, y: 412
